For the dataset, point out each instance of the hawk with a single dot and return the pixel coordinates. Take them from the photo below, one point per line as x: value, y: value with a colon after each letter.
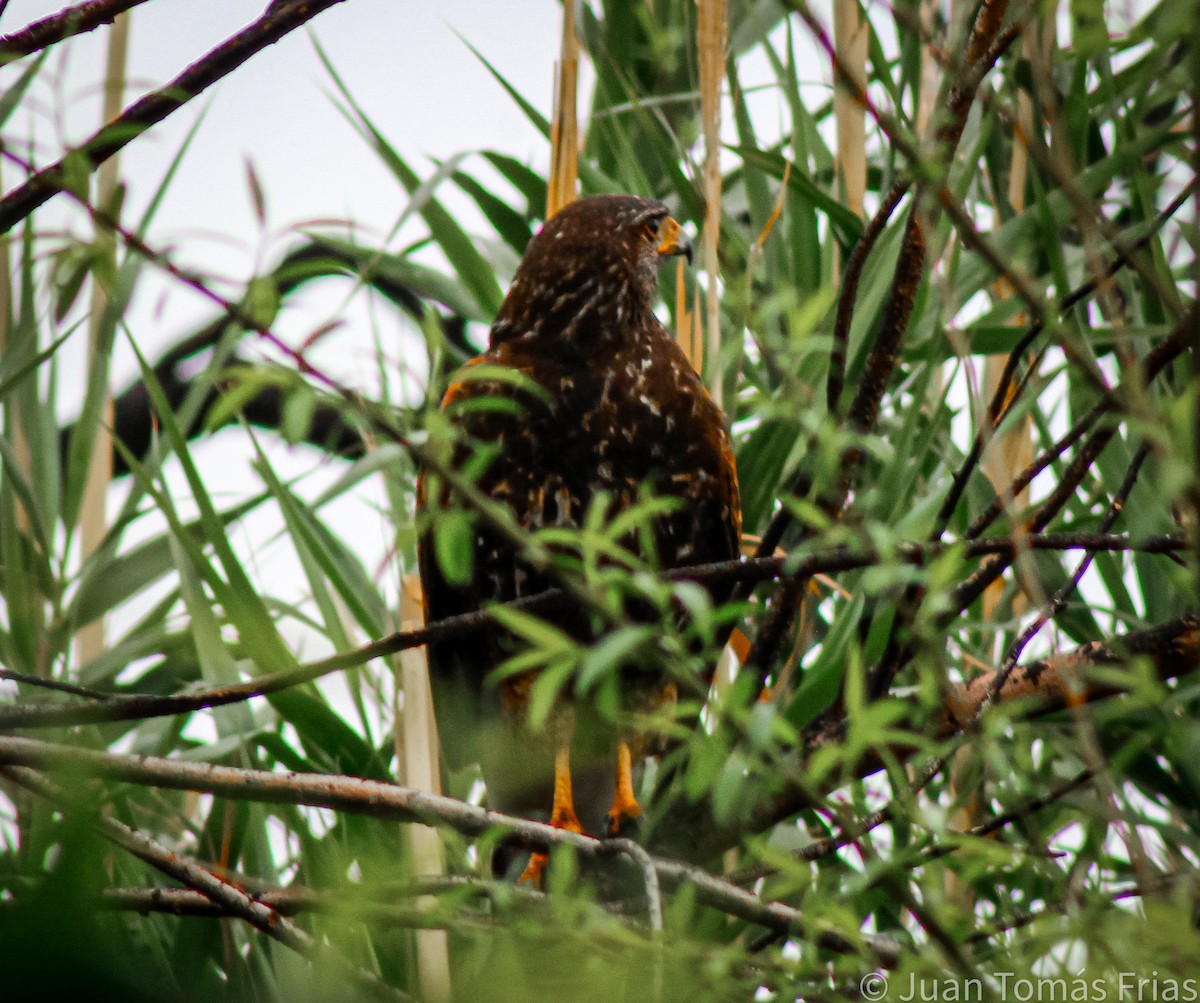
x: 620, y: 410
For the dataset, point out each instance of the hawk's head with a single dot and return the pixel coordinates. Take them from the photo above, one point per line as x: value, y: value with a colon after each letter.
x: 589, y: 274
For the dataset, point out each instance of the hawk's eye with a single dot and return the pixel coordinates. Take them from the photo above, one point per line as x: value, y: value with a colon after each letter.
x: 653, y: 226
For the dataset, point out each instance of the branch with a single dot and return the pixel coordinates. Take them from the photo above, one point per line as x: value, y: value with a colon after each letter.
x: 1058, y: 681
x: 229, y: 898
x: 1157, y: 359
x: 379, y: 899
x: 854, y: 829
x: 968, y: 591
x: 1057, y: 602
x: 1020, y: 919
x: 896, y: 654
x: 55, y: 28
x: 357, y: 796
x: 288, y: 902
x: 122, y: 707
x: 125, y: 707
x: 1030, y: 807
x: 1055, y: 682
x: 282, y: 17
x: 1174, y: 648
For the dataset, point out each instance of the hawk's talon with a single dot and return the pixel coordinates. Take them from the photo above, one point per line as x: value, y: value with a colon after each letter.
x: 532, y: 875
x: 625, y: 809
x: 562, y: 817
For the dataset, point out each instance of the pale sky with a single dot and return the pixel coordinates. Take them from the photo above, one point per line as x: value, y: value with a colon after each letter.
x: 413, y: 75
x: 404, y: 63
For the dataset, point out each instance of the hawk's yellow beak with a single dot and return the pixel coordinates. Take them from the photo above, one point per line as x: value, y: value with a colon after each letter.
x: 672, y: 240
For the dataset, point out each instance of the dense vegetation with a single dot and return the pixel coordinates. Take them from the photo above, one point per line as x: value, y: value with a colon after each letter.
x: 957, y: 355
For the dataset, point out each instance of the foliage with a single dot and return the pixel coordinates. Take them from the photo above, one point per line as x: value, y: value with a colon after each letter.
x: 844, y: 775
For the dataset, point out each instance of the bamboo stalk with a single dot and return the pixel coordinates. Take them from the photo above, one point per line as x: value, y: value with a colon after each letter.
x: 563, y: 184
x: 968, y: 813
x: 850, y: 44
x: 1009, y: 454
x: 89, y: 642
x: 712, y: 34
x: 1002, y: 462
x: 417, y: 767
x: 689, y: 332
x: 927, y: 95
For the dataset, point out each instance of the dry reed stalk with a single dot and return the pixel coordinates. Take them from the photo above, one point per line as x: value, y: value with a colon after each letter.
x: 93, y: 520
x: 712, y: 35
x: 564, y: 130
x: 850, y: 44
x: 1004, y: 458
x: 927, y: 97
x: 969, y: 812
x: 690, y: 333
x: 1009, y: 454
x: 417, y: 767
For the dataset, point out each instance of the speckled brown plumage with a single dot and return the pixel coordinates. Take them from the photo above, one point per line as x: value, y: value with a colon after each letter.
x: 623, y: 411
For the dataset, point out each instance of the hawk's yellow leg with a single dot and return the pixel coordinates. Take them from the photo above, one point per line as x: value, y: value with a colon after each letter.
x: 624, y: 807
x: 563, y: 816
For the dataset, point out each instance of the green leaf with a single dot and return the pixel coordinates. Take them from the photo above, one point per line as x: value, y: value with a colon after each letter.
x: 454, y: 545
x: 261, y: 302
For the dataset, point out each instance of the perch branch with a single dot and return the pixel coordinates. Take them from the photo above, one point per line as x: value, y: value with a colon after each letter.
x: 355, y: 795
x: 1058, y: 601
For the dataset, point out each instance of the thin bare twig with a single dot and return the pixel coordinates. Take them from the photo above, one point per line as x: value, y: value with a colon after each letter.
x: 291, y: 902
x: 1022, y: 919
x: 54, y: 684
x: 1032, y: 806
x: 282, y: 17
x: 1058, y: 601
x: 51, y: 30
x: 964, y: 594
x: 1003, y: 401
